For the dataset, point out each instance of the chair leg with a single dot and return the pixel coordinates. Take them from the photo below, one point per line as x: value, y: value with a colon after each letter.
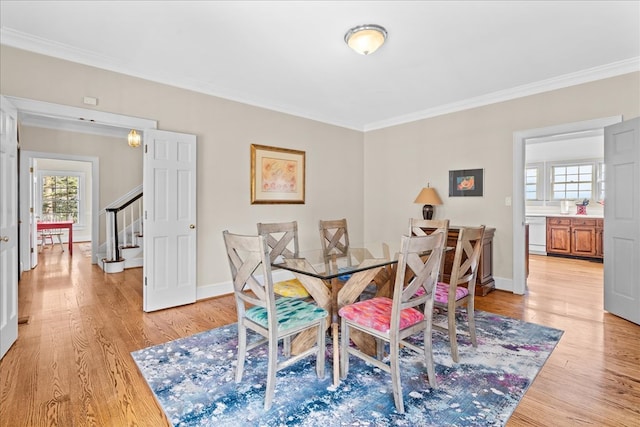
x: 394, y: 366
x: 428, y: 355
x: 271, y: 371
x: 286, y: 346
x: 453, y: 338
x: 344, y: 349
x: 242, y: 350
x: 472, y: 322
x: 321, y: 349
x: 59, y: 241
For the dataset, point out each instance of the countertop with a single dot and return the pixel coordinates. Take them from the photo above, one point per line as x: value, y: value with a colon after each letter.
x: 539, y: 214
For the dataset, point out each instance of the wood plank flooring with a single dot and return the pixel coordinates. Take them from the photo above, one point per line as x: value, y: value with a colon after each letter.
x: 71, y: 364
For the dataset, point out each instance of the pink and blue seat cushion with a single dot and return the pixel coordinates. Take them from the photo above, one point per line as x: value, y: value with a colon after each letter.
x: 291, y: 313
x: 442, y: 292
x: 375, y: 313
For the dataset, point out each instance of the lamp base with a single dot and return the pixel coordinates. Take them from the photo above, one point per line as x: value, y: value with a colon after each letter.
x: 427, y: 211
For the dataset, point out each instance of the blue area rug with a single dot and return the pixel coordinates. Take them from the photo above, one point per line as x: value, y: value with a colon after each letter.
x: 193, y: 379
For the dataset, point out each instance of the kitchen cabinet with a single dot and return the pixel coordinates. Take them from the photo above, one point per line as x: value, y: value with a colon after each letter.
x: 579, y: 237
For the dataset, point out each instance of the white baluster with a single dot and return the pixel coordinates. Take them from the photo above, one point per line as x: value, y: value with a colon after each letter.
x: 124, y: 228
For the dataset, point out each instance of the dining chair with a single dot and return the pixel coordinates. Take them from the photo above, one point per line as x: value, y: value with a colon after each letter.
x: 334, y: 239
x: 393, y: 320
x: 259, y: 310
x: 460, y: 291
x: 422, y: 227
x: 282, y: 240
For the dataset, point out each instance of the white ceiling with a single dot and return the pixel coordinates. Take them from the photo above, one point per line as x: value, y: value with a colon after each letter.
x: 290, y: 56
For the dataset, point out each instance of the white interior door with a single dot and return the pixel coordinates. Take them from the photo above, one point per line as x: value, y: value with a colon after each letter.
x: 622, y: 220
x: 169, y: 219
x: 8, y: 225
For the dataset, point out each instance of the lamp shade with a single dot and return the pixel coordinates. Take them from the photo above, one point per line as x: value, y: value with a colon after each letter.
x: 366, y: 39
x: 428, y: 196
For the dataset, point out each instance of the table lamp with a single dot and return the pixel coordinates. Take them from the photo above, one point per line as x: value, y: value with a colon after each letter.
x: 428, y: 197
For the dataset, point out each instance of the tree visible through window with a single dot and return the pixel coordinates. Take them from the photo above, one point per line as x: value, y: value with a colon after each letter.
x: 60, y: 197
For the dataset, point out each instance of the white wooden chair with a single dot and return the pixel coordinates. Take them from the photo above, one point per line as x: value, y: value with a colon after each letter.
x: 49, y: 234
x: 394, y: 320
x: 460, y: 291
x: 282, y: 239
x: 273, y: 319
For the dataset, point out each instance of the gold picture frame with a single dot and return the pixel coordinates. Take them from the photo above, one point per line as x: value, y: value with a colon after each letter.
x: 277, y: 175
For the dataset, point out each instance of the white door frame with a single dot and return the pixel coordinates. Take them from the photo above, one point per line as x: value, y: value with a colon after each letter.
x: 26, y: 159
x: 519, y: 143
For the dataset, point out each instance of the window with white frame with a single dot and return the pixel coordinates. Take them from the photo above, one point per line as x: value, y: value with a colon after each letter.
x: 534, y: 181
x: 60, y: 195
x: 573, y: 181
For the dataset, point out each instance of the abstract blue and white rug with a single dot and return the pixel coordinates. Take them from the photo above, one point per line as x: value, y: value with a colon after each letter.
x: 193, y: 380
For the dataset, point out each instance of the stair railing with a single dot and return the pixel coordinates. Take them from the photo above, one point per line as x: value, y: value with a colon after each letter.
x: 113, y: 231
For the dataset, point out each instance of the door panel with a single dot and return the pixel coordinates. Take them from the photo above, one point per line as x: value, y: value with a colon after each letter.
x: 170, y: 218
x: 622, y: 220
x: 8, y: 225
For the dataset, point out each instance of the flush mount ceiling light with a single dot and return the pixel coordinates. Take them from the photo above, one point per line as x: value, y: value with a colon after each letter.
x: 133, y: 139
x: 366, y: 39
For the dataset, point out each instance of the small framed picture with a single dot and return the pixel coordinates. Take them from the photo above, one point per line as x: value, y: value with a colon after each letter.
x: 466, y: 183
x: 277, y: 175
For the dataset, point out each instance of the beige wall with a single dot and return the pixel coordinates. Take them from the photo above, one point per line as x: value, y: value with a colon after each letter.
x: 225, y: 130
x: 400, y: 160
x: 388, y: 166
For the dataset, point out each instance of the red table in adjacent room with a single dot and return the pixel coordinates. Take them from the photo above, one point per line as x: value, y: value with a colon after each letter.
x: 52, y: 225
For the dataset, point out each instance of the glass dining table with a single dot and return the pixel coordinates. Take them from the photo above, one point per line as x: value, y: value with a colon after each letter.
x: 336, y: 280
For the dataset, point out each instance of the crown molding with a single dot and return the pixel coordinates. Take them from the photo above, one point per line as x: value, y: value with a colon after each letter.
x: 585, y: 76
x: 46, y: 47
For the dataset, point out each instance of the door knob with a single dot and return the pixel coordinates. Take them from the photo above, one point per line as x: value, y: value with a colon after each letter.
x: 4, y: 238
x: 192, y: 226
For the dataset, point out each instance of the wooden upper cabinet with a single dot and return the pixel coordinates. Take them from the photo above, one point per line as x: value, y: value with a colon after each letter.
x: 575, y: 236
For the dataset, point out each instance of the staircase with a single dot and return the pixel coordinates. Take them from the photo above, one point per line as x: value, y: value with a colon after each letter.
x: 124, y: 247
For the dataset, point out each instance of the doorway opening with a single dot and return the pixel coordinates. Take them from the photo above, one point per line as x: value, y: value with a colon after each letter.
x: 520, y: 139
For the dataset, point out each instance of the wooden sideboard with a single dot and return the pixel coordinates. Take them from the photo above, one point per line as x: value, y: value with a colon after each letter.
x: 484, y: 282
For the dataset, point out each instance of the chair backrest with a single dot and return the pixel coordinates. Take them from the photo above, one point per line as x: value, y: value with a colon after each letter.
x: 248, y: 259
x: 466, y: 259
x: 422, y: 227
x: 418, y: 267
x: 334, y: 237
x: 281, y: 237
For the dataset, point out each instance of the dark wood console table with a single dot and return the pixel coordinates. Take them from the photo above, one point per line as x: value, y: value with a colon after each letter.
x: 484, y: 282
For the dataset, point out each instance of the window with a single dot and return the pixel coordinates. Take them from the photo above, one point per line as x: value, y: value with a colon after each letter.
x: 60, y: 195
x: 533, y: 182
x: 574, y: 181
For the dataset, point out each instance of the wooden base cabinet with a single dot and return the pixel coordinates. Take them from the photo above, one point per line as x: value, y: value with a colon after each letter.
x: 484, y: 281
x: 579, y: 237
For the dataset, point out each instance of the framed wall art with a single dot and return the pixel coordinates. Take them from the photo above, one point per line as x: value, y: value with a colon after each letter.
x: 277, y: 175
x: 466, y: 183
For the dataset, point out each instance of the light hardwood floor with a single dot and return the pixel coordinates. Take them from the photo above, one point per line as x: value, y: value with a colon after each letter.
x: 71, y: 365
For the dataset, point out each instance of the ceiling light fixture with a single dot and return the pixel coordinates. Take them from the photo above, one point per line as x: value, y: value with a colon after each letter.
x: 133, y: 139
x: 365, y: 39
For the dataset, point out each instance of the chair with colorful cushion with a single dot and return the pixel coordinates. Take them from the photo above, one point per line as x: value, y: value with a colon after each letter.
x: 259, y: 310
x: 460, y: 291
x: 422, y: 227
x: 282, y: 239
x: 394, y: 320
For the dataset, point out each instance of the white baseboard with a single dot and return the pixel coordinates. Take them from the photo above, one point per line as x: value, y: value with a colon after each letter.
x: 504, y: 284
